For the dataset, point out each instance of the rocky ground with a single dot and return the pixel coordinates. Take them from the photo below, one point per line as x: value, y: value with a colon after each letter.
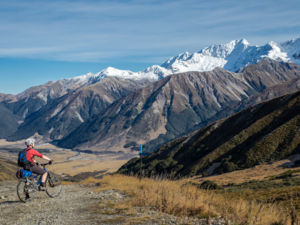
x: 80, y: 204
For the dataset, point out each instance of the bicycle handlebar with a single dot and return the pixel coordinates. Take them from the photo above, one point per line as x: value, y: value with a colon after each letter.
x: 45, y: 164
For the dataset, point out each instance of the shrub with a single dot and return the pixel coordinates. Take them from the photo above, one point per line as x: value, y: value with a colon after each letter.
x: 296, y: 163
x: 209, y: 185
x: 286, y: 174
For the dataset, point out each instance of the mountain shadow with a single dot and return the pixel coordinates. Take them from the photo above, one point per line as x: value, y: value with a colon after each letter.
x: 266, y: 132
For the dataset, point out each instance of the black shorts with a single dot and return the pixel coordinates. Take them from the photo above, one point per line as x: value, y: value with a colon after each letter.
x: 37, y: 170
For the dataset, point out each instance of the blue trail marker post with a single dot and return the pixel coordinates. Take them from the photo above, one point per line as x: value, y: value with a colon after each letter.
x: 141, y: 154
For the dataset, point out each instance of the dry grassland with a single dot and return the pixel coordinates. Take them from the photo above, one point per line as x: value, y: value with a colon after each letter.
x: 7, y: 170
x: 183, y: 199
x: 4, y: 142
x: 260, y: 172
x: 80, y: 166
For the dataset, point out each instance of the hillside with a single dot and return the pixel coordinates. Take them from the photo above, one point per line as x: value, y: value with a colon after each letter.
x: 176, y: 105
x: 266, y: 132
x: 8, y: 170
x: 8, y: 122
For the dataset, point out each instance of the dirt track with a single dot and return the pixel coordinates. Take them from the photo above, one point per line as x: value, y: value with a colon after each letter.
x: 69, y: 208
x: 77, y: 204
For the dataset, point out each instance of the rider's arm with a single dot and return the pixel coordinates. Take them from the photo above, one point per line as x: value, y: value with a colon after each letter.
x: 36, y: 153
x: 45, y: 157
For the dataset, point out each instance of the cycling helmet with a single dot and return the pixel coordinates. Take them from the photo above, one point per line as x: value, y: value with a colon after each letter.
x: 29, y: 141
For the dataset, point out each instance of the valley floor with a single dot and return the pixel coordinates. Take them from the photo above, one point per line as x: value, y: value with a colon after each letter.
x: 68, y: 162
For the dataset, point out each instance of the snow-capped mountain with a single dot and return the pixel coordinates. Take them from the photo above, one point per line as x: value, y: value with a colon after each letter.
x: 232, y: 56
x: 174, y: 105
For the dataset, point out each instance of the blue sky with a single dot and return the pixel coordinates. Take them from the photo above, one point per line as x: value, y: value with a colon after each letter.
x: 43, y: 40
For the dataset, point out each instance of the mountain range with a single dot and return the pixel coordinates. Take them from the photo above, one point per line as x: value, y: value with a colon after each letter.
x: 176, y: 105
x: 117, y: 110
x: 60, y: 116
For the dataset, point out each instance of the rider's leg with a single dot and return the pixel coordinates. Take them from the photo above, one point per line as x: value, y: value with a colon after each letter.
x: 44, y: 177
x: 39, y: 171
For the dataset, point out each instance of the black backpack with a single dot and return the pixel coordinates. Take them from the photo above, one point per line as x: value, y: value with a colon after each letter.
x: 22, y: 159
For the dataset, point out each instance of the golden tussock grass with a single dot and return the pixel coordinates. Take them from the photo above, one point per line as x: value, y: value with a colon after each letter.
x: 259, y: 172
x: 181, y: 198
x: 75, y: 167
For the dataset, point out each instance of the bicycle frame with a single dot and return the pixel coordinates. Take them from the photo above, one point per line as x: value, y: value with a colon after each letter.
x: 30, y: 184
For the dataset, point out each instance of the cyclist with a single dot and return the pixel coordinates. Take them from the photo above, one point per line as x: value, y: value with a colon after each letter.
x: 33, y: 165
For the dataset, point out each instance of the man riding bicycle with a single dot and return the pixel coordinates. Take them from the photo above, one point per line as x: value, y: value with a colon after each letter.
x: 33, y: 165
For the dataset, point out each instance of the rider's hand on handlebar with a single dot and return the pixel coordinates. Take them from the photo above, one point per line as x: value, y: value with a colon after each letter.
x: 50, y: 162
x: 36, y: 163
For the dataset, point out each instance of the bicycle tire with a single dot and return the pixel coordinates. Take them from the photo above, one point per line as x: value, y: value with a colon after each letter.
x: 25, y: 193
x: 53, y: 185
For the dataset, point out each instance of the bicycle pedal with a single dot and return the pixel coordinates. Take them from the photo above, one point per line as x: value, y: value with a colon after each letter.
x: 42, y: 188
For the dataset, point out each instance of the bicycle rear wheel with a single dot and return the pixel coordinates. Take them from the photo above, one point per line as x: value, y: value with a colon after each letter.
x: 53, y: 185
x: 24, y: 191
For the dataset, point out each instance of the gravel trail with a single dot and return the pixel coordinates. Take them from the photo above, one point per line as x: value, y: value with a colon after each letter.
x: 69, y: 208
x: 78, y: 204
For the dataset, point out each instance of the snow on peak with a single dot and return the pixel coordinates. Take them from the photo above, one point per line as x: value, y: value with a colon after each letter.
x: 223, y: 50
x: 111, y: 71
x: 244, y: 41
x: 153, y: 72
x: 175, y: 59
x: 232, y: 56
x: 276, y: 53
x: 292, y: 48
x: 84, y: 76
x: 79, y: 81
x: 294, y: 43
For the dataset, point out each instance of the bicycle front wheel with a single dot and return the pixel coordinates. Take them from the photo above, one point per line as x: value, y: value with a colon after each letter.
x: 24, y: 191
x: 53, y: 185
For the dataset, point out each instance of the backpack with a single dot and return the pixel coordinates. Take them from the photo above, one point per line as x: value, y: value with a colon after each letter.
x: 22, y: 159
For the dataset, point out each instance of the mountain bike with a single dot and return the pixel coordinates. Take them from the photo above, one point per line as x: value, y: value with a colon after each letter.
x: 29, y: 185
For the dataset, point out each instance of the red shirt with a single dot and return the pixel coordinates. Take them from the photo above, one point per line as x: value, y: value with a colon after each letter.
x: 31, y: 153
